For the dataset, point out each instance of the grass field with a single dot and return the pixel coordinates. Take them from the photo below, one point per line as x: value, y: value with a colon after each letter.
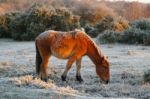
x: 19, y: 81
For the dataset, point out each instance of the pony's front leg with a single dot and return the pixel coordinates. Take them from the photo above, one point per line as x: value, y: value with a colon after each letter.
x: 78, y: 74
x: 43, y: 72
x: 45, y: 55
x: 68, y: 66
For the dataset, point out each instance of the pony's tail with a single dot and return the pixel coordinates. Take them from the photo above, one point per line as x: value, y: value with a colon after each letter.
x: 38, y: 59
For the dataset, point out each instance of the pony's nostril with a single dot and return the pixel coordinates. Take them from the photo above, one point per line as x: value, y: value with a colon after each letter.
x: 107, y: 82
x: 104, y: 82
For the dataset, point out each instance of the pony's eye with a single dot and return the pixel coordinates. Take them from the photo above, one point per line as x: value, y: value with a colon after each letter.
x: 104, y: 69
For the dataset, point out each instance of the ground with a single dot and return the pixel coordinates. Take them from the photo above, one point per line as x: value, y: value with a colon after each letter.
x: 18, y: 79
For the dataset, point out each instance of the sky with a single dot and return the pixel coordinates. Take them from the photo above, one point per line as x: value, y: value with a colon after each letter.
x: 143, y: 1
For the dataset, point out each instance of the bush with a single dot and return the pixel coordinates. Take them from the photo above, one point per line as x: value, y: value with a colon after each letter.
x: 64, y: 20
x: 18, y: 27
x: 91, y: 31
x: 111, y: 23
x: 39, y: 18
x: 5, y: 20
x: 109, y: 37
x: 143, y: 24
x: 130, y: 36
x: 133, y: 36
x: 105, y: 24
x: 120, y: 24
x: 146, y: 39
x: 147, y: 76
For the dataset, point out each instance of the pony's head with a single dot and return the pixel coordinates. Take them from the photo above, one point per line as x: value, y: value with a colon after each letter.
x: 102, y: 70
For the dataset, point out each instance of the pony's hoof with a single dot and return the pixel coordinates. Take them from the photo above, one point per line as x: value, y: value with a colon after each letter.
x: 63, y: 78
x: 45, y: 79
x: 79, y: 78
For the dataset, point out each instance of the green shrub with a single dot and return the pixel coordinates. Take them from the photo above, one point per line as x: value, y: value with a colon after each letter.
x: 109, y: 37
x: 39, y: 18
x: 129, y: 36
x: 91, y: 31
x: 105, y: 24
x: 133, y: 36
x: 147, y: 76
x: 18, y: 27
x: 5, y: 20
x: 146, y: 38
x: 143, y: 24
x: 64, y: 20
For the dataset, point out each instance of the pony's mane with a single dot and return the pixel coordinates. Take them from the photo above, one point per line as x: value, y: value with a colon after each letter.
x: 94, y: 44
x: 98, y: 51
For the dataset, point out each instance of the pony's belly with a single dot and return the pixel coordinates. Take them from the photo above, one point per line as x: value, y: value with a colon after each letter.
x: 62, y: 54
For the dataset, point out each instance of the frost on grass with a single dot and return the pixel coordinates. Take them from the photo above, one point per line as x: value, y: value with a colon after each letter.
x: 30, y: 81
x: 66, y: 90
x: 128, y: 64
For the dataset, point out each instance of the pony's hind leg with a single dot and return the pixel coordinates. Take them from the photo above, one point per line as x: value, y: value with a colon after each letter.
x: 45, y: 54
x: 78, y: 74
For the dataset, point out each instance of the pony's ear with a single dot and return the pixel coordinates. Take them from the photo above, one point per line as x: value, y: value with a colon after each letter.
x: 103, y: 59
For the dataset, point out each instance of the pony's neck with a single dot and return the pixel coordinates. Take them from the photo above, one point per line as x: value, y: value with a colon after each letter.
x: 94, y: 53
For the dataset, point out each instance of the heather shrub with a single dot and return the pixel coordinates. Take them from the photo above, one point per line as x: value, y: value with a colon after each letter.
x: 143, y: 24
x: 146, y: 38
x: 108, y: 23
x: 105, y: 24
x: 133, y: 36
x: 120, y: 24
x: 64, y: 20
x: 39, y: 18
x: 3, y: 26
x: 91, y: 31
x: 18, y: 27
x: 5, y: 20
x: 109, y: 36
x: 138, y: 33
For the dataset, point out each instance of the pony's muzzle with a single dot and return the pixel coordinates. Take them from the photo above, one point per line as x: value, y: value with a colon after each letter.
x: 104, y: 82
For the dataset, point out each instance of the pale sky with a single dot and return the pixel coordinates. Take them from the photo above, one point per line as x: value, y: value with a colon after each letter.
x: 144, y: 1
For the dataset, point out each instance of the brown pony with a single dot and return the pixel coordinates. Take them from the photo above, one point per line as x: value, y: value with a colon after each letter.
x: 72, y: 45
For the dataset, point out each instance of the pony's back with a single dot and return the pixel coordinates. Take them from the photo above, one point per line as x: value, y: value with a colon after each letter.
x: 63, y: 44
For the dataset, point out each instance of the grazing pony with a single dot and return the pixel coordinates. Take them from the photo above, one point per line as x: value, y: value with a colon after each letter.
x: 72, y: 45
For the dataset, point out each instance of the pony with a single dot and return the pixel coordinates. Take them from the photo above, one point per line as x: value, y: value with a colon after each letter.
x: 71, y: 45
